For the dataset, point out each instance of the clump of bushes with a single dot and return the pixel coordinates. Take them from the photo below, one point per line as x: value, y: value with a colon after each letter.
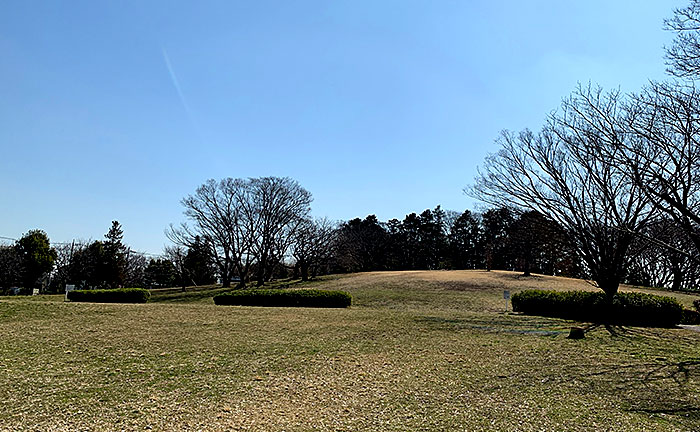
x: 690, y: 316
x: 285, y: 298
x: 121, y: 295
x: 635, y: 309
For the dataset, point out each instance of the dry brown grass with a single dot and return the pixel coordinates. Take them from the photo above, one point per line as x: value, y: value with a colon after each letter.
x: 476, y: 290
x: 418, y: 351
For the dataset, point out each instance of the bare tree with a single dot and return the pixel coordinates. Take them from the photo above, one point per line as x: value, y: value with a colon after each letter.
x: 243, y: 225
x: 312, y: 247
x: 668, y: 261
x: 62, y: 266
x: 280, y: 207
x: 243, y: 222
x: 176, y: 254
x: 135, y: 271
x: 565, y: 172
x: 212, y: 212
x: 663, y: 155
x: 683, y: 57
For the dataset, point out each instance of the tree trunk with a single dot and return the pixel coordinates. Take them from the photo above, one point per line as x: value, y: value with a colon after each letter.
x: 489, y: 258
x: 261, y: 271
x: 526, y: 267
x: 677, y: 280
x: 304, y: 268
x: 609, y: 286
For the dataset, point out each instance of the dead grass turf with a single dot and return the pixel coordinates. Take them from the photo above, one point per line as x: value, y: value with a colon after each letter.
x: 417, y: 351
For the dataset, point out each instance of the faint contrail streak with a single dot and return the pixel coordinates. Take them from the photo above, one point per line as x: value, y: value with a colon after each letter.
x: 176, y: 84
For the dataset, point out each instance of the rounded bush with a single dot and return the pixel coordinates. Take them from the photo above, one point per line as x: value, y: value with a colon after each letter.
x: 637, y: 309
x: 690, y: 316
x: 285, y: 298
x: 120, y: 295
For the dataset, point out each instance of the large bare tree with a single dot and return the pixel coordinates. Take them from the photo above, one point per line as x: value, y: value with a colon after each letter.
x: 243, y: 222
x: 280, y: 207
x: 212, y: 211
x: 566, y: 173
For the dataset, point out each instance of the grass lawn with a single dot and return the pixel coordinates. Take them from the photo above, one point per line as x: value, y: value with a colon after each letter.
x: 417, y: 351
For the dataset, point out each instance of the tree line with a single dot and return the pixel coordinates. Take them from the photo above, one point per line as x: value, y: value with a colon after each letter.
x: 303, y: 247
x: 33, y: 263
x: 261, y: 228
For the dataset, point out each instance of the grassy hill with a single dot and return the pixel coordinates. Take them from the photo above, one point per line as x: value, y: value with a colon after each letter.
x: 417, y: 351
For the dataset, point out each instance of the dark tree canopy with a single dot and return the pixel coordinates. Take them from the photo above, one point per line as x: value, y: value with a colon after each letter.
x: 161, y: 273
x: 496, y: 225
x: 11, y: 267
x: 466, y: 242
x: 37, y: 257
x: 541, y: 245
x: 362, y: 245
x: 670, y: 261
x: 87, y: 266
x: 197, y: 264
x: 114, y: 265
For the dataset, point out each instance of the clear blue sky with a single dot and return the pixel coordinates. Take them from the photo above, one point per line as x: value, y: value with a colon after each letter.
x: 116, y: 110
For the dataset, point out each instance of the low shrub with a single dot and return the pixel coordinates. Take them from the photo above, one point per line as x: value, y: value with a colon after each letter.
x: 690, y: 316
x: 636, y: 309
x: 696, y: 303
x: 285, y: 298
x: 121, y: 295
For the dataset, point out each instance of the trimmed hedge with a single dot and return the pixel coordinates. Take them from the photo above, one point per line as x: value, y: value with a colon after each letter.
x: 121, y: 295
x: 285, y: 298
x: 635, y: 309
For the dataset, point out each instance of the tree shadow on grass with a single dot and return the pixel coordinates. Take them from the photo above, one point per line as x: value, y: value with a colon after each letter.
x: 534, y: 326
x: 659, y: 389
x: 657, y: 386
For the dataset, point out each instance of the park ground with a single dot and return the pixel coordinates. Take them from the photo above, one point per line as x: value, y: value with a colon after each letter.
x: 418, y: 350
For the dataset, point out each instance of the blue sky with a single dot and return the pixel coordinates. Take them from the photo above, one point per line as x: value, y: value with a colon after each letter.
x: 117, y: 110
